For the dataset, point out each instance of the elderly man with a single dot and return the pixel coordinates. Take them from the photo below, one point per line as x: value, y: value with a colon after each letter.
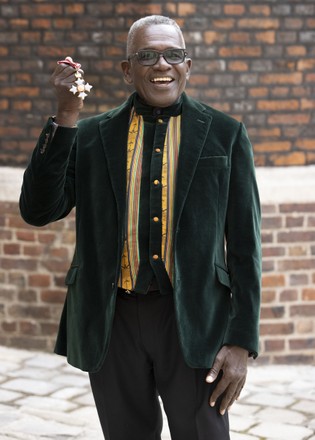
x: 164, y: 287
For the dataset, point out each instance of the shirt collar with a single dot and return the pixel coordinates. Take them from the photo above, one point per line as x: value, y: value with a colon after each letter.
x: 148, y: 110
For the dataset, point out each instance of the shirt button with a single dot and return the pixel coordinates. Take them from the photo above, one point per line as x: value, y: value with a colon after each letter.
x: 160, y: 121
x: 156, y: 182
x: 158, y: 150
x: 155, y: 257
x: 155, y: 219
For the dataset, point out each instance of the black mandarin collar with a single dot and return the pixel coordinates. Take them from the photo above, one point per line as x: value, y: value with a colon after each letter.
x: 148, y: 110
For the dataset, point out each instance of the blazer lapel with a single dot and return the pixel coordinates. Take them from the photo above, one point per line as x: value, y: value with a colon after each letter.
x: 114, y: 136
x: 194, y: 130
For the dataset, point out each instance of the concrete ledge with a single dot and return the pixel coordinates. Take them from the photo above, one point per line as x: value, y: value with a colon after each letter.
x: 276, y: 184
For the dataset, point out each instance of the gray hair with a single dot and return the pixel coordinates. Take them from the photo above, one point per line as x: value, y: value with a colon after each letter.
x: 148, y: 21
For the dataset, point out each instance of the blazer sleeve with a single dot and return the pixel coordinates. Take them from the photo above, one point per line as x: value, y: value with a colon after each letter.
x: 48, y: 188
x: 243, y: 247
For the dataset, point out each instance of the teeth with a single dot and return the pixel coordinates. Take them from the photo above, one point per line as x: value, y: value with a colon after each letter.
x: 167, y: 79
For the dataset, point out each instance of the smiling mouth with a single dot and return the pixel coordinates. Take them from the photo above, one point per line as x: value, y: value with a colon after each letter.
x: 162, y: 80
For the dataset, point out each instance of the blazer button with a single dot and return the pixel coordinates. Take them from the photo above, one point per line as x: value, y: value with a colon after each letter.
x: 156, y: 182
x: 156, y: 219
x: 160, y: 121
x: 155, y: 257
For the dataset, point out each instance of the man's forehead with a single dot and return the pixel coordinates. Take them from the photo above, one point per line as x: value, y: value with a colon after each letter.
x: 165, y: 34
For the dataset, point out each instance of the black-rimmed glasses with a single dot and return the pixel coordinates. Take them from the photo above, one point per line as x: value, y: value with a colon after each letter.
x: 149, y: 57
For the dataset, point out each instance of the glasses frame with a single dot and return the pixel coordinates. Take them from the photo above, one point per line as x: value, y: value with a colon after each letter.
x: 159, y: 55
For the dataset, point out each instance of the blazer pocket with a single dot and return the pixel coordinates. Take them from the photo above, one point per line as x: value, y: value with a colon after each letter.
x: 223, y: 276
x: 213, y: 161
x: 71, y: 275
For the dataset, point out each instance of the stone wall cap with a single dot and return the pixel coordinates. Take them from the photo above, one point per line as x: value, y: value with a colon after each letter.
x: 276, y: 184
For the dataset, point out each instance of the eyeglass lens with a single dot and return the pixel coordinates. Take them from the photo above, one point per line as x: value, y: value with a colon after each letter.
x: 150, y: 57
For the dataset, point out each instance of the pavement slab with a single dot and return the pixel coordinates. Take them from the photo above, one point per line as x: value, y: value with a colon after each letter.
x: 44, y: 398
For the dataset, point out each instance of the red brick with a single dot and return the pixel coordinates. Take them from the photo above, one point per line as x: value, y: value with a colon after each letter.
x: 297, y: 251
x: 282, y: 78
x: 268, y: 296
x: 11, y: 248
x: 260, y: 10
x: 33, y: 250
x: 46, y: 237
x: 28, y: 295
x: 307, y: 104
x: 268, y: 37
x: 258, y: 23
x: 9, y: 326
x: 274, y: 345
x: 288, y: 295
x: 298, y: 279
x: 18, y: 263
x: 45, y: 10
x: 296, y: 51
x: 236, y: 9
x: 302, y: 344
x: 283, y: 328
x: 269, y: 105
x: 228, y: 23
x: 302, y: 310
x: 238, y: 66
x: 29, y: 311
x: 294, y: 222
x: 49, y: 329
x: 285, y: 119
x: 53, y: 296
x: 41, y: 23
x: 14, y: 91
x: 211, y: 37
x: 28, y: 328
x: 63, y: 23
x: 272, y: 312
x: 141, y: 9
x: 239, y: 37
x: 273, y: 280
x: 308, y: 294
x: 295, y: 236
x: 240, y: 51
x: 297, y: 207
x: 258, y: 92
x: 74, y: 9
x: 273, y: 146
x: 185, y: 9
x: 39, y: 280
x: 296, y: 264
x: 273, y: 251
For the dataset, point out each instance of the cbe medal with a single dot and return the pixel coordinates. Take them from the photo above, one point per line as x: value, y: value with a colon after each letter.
x: 80, y: 87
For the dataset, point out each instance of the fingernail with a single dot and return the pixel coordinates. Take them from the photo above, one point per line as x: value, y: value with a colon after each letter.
x: 209, y: 379
x: 212, y: 404
x: 222, y: 412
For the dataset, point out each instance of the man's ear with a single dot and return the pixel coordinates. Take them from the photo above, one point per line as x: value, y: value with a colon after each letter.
x: 188, y: 64
x: 125, y: 66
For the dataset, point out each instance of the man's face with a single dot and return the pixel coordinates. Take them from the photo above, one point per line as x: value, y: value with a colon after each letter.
x: 162, y: 84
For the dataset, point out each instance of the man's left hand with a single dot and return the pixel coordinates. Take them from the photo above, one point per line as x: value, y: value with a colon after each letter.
x: 232, y: 360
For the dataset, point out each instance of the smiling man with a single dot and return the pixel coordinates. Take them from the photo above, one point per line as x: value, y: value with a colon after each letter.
x: 164, y: 287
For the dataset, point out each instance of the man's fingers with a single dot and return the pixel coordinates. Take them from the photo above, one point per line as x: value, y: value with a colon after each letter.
x: 213, y: 373
x: 218, y: 391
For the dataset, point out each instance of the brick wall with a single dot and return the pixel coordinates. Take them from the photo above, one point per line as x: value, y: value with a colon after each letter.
x: 254, y: 60
x: 34, y: 261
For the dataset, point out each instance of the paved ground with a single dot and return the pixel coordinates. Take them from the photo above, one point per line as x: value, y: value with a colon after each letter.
x: 42, y: 398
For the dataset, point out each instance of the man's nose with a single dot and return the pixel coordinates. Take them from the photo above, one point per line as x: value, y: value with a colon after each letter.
x: 162, y: 63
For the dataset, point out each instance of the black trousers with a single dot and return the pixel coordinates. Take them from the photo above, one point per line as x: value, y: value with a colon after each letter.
x: 144, y: 361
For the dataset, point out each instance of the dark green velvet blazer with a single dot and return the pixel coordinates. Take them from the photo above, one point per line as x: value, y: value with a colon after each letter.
x: 216, y: 230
